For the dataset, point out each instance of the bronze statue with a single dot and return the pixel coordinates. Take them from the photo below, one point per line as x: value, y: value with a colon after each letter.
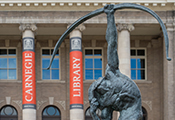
x: 115, y: 91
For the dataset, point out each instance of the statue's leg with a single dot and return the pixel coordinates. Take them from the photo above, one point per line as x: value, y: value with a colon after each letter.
x: 93, y: 107
x: 111, y: 38
x: 132, y: 113
x: 93, y: 114
x: 106, y: 114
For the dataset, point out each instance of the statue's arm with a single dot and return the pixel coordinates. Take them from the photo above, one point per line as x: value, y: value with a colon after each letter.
x: 111, y: 38
x: 93, y: 107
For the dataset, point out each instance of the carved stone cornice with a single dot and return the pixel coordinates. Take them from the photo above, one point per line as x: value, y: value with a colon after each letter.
x: 128, y: 27
x: 28, y: 26
x: 37, y: 3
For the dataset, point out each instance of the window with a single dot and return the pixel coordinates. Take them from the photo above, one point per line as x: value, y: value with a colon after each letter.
x: 93, y: 64
x: 51, y: 113
x: 53, y: 72
x: 8, y: 64
x: 138, y: 64
x: 8, y: 113
x: 88, y: 116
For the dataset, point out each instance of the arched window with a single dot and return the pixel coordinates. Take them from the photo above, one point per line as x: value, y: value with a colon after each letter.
x: 51, y: 113
x: 144, y: 113
x: 8, y: 112
x: 88, y: 116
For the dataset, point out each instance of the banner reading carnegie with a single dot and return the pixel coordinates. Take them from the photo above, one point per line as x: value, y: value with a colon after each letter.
x: 28, y: 75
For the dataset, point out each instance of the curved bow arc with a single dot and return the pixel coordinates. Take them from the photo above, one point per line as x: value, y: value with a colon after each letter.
x: 135, y: 6
x: 116, y: 7
x: 72, y: 27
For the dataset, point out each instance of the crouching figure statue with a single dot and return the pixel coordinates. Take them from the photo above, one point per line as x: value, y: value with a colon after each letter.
x: 115, y: 91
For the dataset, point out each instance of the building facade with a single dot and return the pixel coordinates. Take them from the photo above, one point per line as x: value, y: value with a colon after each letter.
x: 141, y: 52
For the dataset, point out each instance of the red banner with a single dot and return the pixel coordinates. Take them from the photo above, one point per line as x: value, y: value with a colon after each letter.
x: 76, y: 78
x: 28, y: 75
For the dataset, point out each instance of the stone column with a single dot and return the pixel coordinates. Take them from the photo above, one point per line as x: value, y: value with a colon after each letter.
x: 28, y: 72
x: 124, y: 48
x: 67, y: 82
x: 169, y: 89
x: 76, y: 74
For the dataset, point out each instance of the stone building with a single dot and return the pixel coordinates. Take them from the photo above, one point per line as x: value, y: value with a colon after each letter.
x: 40, y: 24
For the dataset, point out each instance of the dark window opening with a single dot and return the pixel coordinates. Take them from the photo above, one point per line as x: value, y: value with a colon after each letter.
x: 8, y: 113
x: 144, y: 113
x: 51, y: 113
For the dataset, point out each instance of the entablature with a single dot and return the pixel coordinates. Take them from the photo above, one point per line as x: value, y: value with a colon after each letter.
x: 78, y: 5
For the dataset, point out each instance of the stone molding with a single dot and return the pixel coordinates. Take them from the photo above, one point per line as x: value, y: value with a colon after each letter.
x: 8, y: 100
x: 62, y: 103
x: 128, y: 27
x: 71, y: 5
x: 51, y: 100
x: 1, y: 101
x: 39, y: 103
x: 149, y: 103
x: 28, y: 26
x: 18, y: 102
x: 78, y: 3
x: 60, y: 17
